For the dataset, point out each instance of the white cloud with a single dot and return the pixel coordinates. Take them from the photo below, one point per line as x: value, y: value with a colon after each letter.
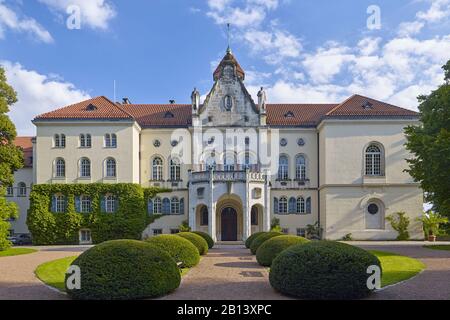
x: 95, y: 14
x: 239, y: 17
x: 37, y: 93
x: 10, y: 20
x: 439, y: 10
x: 410, y: 28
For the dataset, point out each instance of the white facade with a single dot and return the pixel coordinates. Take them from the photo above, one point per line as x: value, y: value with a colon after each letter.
x: 340, y: 165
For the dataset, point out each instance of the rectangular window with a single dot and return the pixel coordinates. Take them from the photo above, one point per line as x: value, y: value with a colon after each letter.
x: 9, y: 191
x: 157, y: 232
x: 85, y: 205
x: 85, y: 236
x: 285, y: 230
x: 174, y: 231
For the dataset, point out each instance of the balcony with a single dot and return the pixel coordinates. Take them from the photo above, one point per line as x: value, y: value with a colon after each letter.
x: 174, y: 185
x: 291, y: 184
x: 225, y: 176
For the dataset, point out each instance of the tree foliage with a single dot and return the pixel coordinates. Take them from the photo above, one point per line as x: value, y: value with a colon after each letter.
x: 11, y: 157
x: 429, y: 142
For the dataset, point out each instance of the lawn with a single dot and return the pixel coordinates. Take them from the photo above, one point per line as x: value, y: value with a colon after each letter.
x: 16, y: 252
x: 53, y: 272
x: 397, y: 268
x: 438, y: 247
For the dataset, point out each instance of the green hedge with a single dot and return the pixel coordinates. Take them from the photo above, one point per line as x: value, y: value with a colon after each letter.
x: 207, y: 238
x: 125, y: 269
x: 180, y: 249
x: 128, y: 222
x: 322, y: 270
x: 260, y: 239
x: 196, y: 240
x: 250, y: 239
x: 271, y: 248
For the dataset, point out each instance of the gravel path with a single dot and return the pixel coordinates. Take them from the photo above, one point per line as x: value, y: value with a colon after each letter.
x: 226, y: 273
x: 231, y: 273
x: 17, y: 279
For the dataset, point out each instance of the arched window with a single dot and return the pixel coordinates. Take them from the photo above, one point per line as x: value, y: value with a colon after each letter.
x: 9, y: 191
x: 59, y: 203
x: 300, y: 168
x: 113, y: 141
x: 107, y: 140
x: 110, y: 203
x: 111, y: 168
x: 283, y: 205
x: 60, y: 168
x: 157, y: 169
x: 300, y: 205
x: 283, y: 168
x: 88, y: 141
x: 229, y: 162
x: 254, y: 216
x: 373, y: 160
x: 175, y: 169
x: 166, y: 206
x: 85, y: 204
x: 63, y: 141
x: 85, y: 168
x: 204, y: 216
x: 56, y: 141
x: 157, y: 206
x: 22, y: 189
x: 82, y: 141
x: 175, y: 206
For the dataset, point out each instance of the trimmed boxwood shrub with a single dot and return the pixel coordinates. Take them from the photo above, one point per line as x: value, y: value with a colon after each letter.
x: 271, y: 248
x: 199, y: 242
x: 125, y: 269
x: 180, y: 249
x: 250, y: 239
x: 207, y: 238
x: 128, y: 222
x: 322, y: 270
x: 260, y: 239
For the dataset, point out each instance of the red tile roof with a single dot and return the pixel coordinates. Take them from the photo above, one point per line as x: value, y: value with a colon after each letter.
x: 296, y: 114
x: 359, y: 106
x: 179, y: 115
x: 95, y: 108
x: 27, y: 147
x: 160, y: 115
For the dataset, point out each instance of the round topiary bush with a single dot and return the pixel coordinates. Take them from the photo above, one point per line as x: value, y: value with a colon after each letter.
x: 260, y: 239
x: 322, y: 270
x: 271, y: 248
x: 250, y: 239
x: 207, y: 238
x: 125, y: 269
x: 196, y: 240
x: 180, y: 249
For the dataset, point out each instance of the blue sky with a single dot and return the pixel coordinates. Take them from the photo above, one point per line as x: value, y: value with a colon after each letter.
x: 301, y: 51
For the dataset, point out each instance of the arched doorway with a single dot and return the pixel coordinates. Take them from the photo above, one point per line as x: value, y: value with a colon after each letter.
x: 229, y: 225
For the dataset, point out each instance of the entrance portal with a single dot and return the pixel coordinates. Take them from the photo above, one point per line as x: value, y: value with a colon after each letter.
x: 229, y: 224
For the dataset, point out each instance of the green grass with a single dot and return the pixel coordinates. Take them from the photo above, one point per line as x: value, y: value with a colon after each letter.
x: 438, y: 247
x: 397, y: 268
x: 53, y: 272
x: 16, y: 252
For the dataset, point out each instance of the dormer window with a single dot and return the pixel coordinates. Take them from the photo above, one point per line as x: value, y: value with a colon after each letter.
x: 228, y: 103
x: 91, y: 107
x: 289, y: 114
x: 168, y: 114
x: 367, y: 105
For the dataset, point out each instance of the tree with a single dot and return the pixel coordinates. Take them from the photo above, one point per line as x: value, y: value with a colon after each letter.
x: 11, y: 158
x: 429, y: 142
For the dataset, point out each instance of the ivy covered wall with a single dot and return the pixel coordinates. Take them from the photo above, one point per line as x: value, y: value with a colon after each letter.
x: 56, y: 213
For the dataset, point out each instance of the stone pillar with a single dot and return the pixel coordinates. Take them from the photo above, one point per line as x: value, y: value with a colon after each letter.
x: 192, y: 214
x: 212, y: 207
x: 245, y: 208
x: 267, y: 204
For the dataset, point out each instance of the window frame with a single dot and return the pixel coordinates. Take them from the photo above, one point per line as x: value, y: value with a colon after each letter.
x: 85, y: 168
x: 110, y: 164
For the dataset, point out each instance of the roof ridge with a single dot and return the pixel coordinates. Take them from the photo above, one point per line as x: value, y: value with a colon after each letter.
x: 340, y: 105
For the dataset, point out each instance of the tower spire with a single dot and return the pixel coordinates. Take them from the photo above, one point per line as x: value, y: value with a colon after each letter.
x: 228, y: 38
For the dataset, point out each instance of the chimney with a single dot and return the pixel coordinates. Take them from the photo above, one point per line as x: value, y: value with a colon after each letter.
x: 126, y: 101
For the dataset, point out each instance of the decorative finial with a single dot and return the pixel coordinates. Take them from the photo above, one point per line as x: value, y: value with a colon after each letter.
x: 228, y: 38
